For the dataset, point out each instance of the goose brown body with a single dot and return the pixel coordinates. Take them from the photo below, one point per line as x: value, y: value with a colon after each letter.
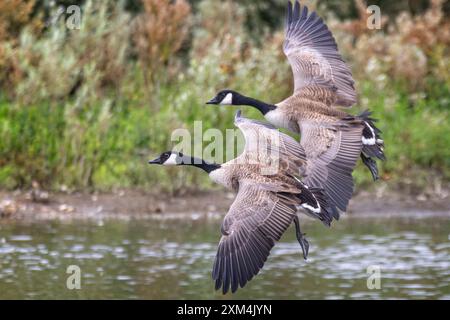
x: 310, y: 106
x: 330, y: 137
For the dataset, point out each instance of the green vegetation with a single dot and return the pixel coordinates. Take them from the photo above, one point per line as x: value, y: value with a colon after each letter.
x: 87, y: 108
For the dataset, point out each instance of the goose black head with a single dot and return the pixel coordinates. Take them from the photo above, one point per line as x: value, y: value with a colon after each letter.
x: 169, y: 158
x: 174, y: 158
x: 230, y: 97
x: 226, y: 97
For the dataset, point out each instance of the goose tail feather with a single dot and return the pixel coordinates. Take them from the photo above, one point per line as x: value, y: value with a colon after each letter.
x: 372, y: 143
x: 317, y: 204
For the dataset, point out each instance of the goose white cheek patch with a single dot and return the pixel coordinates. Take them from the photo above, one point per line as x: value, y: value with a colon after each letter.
x: 228, y: 99
x: 171, y: 161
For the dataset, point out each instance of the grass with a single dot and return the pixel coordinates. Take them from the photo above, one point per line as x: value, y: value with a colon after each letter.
x: 85, y: 109
x: 105, y: 146
x: 417, y: 140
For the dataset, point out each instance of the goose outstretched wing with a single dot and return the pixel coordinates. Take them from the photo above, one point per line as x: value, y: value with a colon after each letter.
x: 314, y: 57
x: 256, y: 219
x: 332, y: 152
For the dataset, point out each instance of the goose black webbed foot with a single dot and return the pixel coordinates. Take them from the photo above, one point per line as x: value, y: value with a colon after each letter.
x: 301, y: 238
x: 304, y: 244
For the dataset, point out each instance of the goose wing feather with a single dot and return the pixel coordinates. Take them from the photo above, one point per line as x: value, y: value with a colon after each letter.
x: 314, y: 57
x: 332, y: 153
x: 256, y: 219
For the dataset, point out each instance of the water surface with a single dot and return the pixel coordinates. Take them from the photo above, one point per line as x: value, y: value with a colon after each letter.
x: 161, y: 259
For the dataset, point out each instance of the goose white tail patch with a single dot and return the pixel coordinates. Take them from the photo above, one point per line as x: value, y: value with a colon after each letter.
x: 369, y: 141
x: 171, y: 161
x: 307, y: 206
x: 228, y: 99
x: 315, y: 210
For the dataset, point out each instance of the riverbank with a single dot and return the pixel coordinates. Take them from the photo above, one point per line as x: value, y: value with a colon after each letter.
x: 125, y: 204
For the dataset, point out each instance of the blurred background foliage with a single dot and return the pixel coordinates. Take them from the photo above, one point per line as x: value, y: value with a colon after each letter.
x: 86, y: 108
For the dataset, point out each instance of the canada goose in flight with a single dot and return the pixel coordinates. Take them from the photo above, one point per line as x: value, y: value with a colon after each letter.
x: 265, y: 204
x: 332, y: 139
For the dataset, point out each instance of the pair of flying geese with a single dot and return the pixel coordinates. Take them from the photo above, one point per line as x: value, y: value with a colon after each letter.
x: 314, y: 174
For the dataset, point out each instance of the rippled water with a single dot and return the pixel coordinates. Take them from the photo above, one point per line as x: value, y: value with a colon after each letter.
x: 158, y: 258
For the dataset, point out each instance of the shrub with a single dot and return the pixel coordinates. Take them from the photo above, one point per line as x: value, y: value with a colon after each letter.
x: 15, y: 15
x: 86, y: 62
x: 158, y: 34
x: 80, y: 107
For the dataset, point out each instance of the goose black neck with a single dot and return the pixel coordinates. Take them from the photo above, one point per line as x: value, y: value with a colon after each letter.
x: 200, y: 163
x: 261, y: 106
